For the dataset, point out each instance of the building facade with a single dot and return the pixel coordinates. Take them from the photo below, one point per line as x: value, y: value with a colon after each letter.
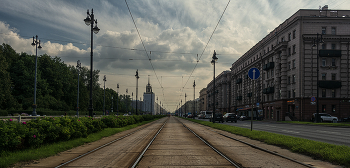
x: 304, y: 58
x: 202, y: 103
x: 148, y: 100
x: 222, y: 94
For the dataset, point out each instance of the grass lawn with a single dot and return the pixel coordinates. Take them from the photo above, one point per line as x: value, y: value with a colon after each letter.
x: 10, y: 158
x: 337, y: 154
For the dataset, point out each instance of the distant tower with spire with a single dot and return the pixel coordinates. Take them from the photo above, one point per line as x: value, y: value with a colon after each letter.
x: 149, y: 99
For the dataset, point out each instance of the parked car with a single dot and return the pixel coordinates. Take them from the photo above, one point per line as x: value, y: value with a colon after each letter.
x: 190, y: 116
x: 346, y: 119
x: 201, y: 116
x: 230, y: 117
x: 324, y: 117
x: 218, y: 117
x: 242, y: 118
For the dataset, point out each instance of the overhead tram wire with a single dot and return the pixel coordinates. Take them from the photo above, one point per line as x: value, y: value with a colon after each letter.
x: 124, y: 48
x: 144, y: 47
x: 208, y: 42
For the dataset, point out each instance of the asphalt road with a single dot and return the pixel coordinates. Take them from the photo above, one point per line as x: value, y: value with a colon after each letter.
x: 328, y: 134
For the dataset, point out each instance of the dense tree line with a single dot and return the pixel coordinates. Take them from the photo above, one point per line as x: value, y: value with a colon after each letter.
x: 57, y: 84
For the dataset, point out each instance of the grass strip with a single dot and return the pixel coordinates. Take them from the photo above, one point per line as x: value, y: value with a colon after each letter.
x: 342, y: 124
x: 11, y: 158
x: 336, y: 154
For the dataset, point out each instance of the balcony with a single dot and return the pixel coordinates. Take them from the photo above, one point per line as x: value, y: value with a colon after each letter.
x: 249, y: 94
x: 239, y: 98
x: 268, y: 66
x: 330, y: 53
x: 239, y: 80
x: 330, y: 84
x: 269, y: 90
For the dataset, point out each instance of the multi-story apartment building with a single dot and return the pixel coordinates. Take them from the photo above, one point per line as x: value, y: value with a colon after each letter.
x: 222, y: 94
x: 293, y: 72
x: 203, y: 100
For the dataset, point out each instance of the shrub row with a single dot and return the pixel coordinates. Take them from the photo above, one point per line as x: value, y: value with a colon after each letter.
x: 36, y: 132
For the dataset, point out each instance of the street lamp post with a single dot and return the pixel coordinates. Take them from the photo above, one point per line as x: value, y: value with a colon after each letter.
x: 194, y: 98
x: 112, y: 105
x: 214, y: 59
x: 185, y: 103
x: 78, y: 69
x: 35, y: 43
x: 181, y: 107
x: 104, y: 94
x: 90, y: 20
x: 316, y: 42
x: 137, y: 87
x: 117, y: 97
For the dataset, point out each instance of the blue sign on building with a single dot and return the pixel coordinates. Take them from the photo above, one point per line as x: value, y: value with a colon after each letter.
x: 254, y: 73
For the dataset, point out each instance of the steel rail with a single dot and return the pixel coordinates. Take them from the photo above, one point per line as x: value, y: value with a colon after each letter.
x: 100, y: 147
x: 262, y: 149
x: 145, y: 149
x: 237, y: 165
x: 259, y: 148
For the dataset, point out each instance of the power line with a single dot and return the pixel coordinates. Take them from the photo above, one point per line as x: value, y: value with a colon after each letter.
x: 144, y: 46
x: 207, y: 43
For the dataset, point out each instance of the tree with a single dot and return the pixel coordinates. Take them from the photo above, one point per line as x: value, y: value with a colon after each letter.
x: 6, y: 99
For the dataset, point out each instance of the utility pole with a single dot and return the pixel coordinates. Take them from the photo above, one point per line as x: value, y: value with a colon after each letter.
x: 137, y: 87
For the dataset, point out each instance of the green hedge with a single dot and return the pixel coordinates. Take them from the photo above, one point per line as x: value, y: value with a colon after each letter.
x: 3, y: 113
x: 33, y: 133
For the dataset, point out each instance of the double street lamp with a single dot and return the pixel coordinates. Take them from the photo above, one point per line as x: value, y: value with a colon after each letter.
x: 35, y: 43
x: 90, y: 20
x: 214, y: 59
x: 317, y: 41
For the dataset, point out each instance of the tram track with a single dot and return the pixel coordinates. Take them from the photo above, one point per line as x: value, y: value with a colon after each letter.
x: 256, y: 147
x: 172, y: 142
x: 126, y: 144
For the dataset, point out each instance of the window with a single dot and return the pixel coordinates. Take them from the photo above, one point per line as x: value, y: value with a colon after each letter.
x: 289, y: 36
x: 282, y: 39
x: 289, y: 52
x: 333, y: 93
x: 293, y: 78
x: 293, y: 63
x: 334, y: 31
x: 333, y: 46
x: 294, y: 49
x: 293, y: 93
x: 267, y: 75
x: 323, y: 108
x: 323, y: 76
x: 272, y: 73
x: 324, y: 46
x: 294, y: 34
x: 288, y: 80
x: 324, y: 62
x: 333, y: 61
x: 289, y: 65
x: 289, y: 95
x: 323, y: 92
x: 323, y: 30
x: 333, y: 76
x: 333, y: 108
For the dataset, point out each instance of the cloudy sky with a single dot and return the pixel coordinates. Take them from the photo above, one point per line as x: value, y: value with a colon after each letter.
x: 175, y: 35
